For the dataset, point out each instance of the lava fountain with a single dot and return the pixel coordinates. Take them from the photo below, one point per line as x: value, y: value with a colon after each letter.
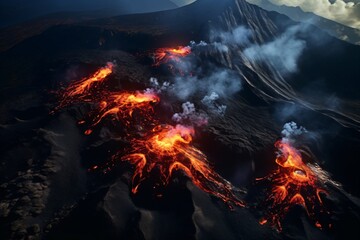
x: 294, y: 183
x: 169, y: 149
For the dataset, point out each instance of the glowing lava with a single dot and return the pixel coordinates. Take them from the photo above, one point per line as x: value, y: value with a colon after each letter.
x: 168, y: 55
x: 167, y: 149
x: 77, y: 91
x: 294, y: 183
x: 163, y: 148
x: 121, y: 107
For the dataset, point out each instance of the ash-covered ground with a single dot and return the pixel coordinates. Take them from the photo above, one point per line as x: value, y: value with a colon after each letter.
x: 249, y: 73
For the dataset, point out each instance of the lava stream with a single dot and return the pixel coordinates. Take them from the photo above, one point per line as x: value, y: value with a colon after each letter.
x: 76, y: 91
x: 122, y: 105
x: 294, y: 183
x: 164, y: 147
x: 168, y: 149
x: 167, y: 55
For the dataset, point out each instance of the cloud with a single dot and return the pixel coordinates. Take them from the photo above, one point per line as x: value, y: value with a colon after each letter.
x: 283, y: 52
x: 181, y: 3
x: 345, y: 12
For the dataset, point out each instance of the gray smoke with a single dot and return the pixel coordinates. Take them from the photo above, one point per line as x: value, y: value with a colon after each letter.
x: 207, y: 82
x: 223, y: 82
x: 222, y: 40
x: 156, y: 87
x: 291, y: 130
x: 283, y: 52
x: 189, y: 114
x: 236, y: 36
x: 194, y: 45
x: 211, y: 102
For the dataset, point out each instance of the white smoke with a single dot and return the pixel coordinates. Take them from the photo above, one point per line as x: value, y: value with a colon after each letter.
x: 190, y: 114
x: 224, y: 82
x: 291, y: 130
x: 222, y: 40
x: 236, y: 36
x: 202, y: 81
x: 194, y: 45
x: 283, y: 52
x: 156, y: 87
x: 209, y: 83
x: 211, y: 102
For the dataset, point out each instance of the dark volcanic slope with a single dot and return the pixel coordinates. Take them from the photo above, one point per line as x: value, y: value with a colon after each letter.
x: 47, y: 190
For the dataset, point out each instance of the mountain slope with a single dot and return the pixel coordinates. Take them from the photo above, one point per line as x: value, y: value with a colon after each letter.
x: 333, y: 28
x: 46, y: 157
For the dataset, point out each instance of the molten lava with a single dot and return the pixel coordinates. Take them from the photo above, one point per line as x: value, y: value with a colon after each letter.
x: 170, y: 56
x: 294, y: 183
x: 121, y: 106
x: 164, y: 147
x: 167, y: 149
x: 78, y: 91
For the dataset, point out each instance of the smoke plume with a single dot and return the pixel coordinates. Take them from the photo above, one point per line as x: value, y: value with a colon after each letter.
x: 223, y: 82
x: 290, y: 131
x: 189, y: 114
x: 222, y: 40
x: 283, y: 52
x: 211, y: 102
x: 196, y: 79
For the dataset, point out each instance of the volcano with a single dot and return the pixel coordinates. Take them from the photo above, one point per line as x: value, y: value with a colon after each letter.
x: 216, y: 120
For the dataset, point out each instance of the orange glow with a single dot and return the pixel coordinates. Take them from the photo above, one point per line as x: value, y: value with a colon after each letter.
x: 263, y: 221
x: 165, y: 148
x: 167, y: 55
x: 80, y: 89
x: 122, y: 105
x: 294, y: 183
x: 169, y: 149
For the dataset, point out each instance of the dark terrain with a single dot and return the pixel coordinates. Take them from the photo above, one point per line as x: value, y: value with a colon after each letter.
x: 45, y: 188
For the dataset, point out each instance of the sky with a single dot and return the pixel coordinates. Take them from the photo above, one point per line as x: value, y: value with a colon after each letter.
x: 346, y: 12
x: 184, y: 2
x: 15, y: 11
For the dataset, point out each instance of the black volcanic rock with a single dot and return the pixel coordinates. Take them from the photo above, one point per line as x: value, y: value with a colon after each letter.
x: 48, y: 192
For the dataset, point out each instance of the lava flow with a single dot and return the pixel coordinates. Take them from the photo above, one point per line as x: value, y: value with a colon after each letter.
x: 168, y: 55
x: 294, y: 183
x: 79, y: 90
x: 167, y: 149
x: 164, y: 148
x: 122, y: 105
